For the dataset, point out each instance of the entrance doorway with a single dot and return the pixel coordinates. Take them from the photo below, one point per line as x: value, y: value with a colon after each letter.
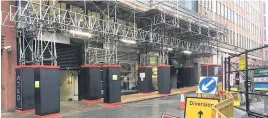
x: 70, y: 59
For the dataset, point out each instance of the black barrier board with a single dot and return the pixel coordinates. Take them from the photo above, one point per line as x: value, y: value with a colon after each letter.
x: 18, y: 90
x: 145, y: 83
x: 47, y: 91
x: 24, y: 88
x: 112, y: 84
x: 91, y: 77
x: 164, y: 81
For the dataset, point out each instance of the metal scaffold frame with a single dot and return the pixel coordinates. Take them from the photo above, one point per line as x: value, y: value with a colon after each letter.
x: 60, y: 21
x: 32, y: 40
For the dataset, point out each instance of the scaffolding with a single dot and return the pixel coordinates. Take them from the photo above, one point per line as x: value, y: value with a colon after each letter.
x: 152, y: 25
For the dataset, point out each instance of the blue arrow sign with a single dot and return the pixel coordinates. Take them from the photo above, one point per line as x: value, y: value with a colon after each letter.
x: 207, y: 85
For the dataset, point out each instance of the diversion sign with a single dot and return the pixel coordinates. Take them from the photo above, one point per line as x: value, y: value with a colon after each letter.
x: 199, y: 107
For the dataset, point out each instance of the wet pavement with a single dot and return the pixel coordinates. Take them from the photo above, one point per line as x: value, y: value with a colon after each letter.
x: 152, y: 108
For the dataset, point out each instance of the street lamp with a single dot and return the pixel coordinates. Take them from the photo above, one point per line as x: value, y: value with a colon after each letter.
x: 128, y: 41
x: 187, y: 52
x: 80, y: 33
x: 169, y: 49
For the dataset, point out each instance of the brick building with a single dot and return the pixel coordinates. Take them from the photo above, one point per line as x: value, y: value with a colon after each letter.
x: 9, y: 61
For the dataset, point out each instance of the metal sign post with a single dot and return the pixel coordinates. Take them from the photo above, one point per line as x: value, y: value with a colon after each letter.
x: 246, y: 83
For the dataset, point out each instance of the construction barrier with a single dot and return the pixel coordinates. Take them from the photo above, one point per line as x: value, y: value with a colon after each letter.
x: 225, y: 108
x: 237, y: 96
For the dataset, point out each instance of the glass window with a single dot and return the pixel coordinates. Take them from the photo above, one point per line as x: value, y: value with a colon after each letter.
x: 250, y: 10
x: 251, y: 28
x: 253, y: 45
x: 218, y: 8
x: 244, y: 22
x: 209, y: 4
x: 229, y: 14
x: 260, y: 32
x: 249, y: 44
x: 264, y: 21
x: 222, y: 10
x: 237, y: 38
x: 247, y: 25
x: 226, y: 12
x: 246, y: 41
x: 264, y: 35
x: 258, y: 16
x: 191, y: 5
x: 214, y: 6
x: 240, y: 44
x: 243, y: 5
x: 230, y: 36
x: 264, y: 9
x: 235, y: 17
x: 233, y: 41
x: 246, y: 5
x: 255, y: 30
x: 239, y: 20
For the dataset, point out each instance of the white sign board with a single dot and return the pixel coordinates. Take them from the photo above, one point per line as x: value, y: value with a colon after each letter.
x: 142, y: 76
x: 232, y: 76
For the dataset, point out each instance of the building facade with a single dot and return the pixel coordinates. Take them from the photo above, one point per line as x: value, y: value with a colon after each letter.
x: 244, y: 21
x: 181, y: 25
x: 265, y: 29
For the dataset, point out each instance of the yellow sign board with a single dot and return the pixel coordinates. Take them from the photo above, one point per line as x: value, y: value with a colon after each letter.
x: 36, y: 84
x: 242, y: 62
x: 199, y: 107
x: 114, y: 77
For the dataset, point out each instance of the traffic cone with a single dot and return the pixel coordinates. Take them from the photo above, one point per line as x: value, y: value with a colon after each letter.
x: 182, y: 102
